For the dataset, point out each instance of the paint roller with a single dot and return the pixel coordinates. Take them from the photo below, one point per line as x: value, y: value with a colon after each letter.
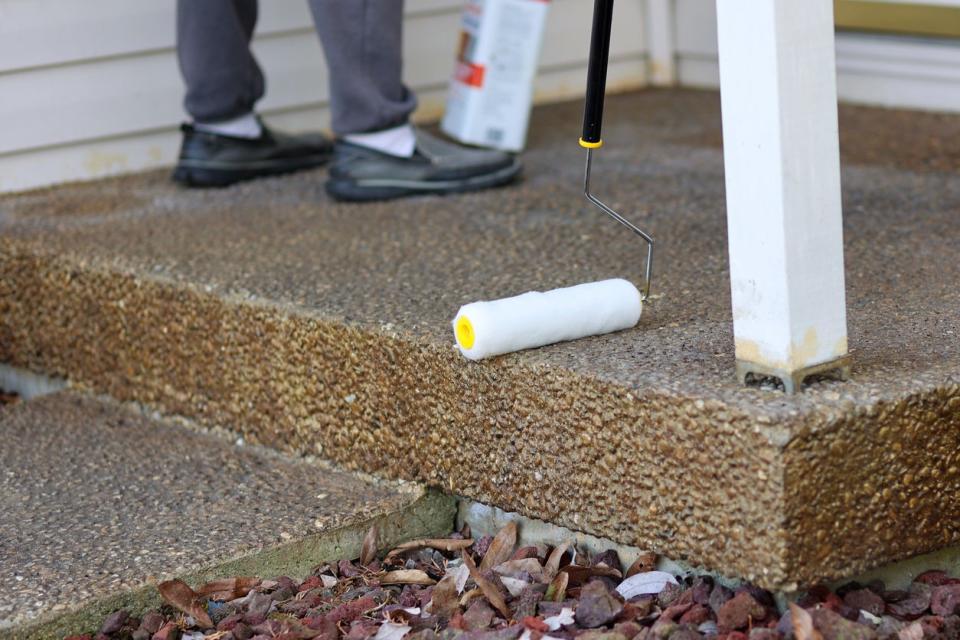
x: 535, y: 319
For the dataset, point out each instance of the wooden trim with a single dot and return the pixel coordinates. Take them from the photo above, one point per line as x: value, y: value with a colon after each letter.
x: 928, y: 20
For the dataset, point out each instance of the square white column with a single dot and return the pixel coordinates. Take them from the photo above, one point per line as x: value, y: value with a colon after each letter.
x: 782, y: 163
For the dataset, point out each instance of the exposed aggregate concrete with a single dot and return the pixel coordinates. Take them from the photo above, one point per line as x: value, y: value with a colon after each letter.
x: 324, y: 328
x: 100, y: 502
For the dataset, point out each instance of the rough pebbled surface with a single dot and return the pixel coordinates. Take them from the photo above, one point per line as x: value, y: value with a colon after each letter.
x: 98, y: 500
x: 324, y: 328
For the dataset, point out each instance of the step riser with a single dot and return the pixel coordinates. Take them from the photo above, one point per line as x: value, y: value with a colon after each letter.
x: 880, y: 484
x: 644, y: 471
x: 648, y: 471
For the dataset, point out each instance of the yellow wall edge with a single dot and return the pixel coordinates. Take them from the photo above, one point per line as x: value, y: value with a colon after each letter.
x: 898, y: 18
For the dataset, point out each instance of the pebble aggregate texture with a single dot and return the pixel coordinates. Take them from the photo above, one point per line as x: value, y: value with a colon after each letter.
x: 323, y: 328
x: 98, y: 502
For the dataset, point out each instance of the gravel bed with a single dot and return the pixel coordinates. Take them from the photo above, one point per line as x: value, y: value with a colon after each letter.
x: 458, y: 588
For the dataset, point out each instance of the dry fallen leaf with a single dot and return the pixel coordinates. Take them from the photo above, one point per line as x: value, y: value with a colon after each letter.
x: 368, y: 550
x: 227, y: 588
x: 553, y: 562
x: 501, y: 548
x: 514, y: 586
x: 443, y: 544
x: 179, y: 594
x: 557, y: 590
x: 470, y: 595
x: 443, y: 600
x: 328, y: 581
x: 489, y: 591
x: 644, y: 563
x: 564, y: 618
x: 517, y: 569
x: 461, y: 574
x: 407, y: 576
x: 579, y: 575
x: 647, y: 583
x: 392, y: 631
x: 803, y: 624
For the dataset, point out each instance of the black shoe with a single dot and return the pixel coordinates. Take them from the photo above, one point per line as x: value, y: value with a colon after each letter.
x: 359, y: 173
x: 213, y: 160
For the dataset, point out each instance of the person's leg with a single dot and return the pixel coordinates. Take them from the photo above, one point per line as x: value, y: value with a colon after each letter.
x: 362, y: 41
x: 379, y: 155
x: 227, y: 142
x: 223, y: 78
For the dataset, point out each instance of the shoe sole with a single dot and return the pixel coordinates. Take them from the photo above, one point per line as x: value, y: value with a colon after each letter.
x: 204, y: 173
x: 383, y: 189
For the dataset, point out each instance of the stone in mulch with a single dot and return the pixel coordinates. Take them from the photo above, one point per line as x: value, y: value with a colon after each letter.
x: 458, y: 588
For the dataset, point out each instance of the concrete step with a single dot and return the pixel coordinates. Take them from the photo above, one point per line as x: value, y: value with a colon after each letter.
x: 99, y: 502
x: 323, y: 328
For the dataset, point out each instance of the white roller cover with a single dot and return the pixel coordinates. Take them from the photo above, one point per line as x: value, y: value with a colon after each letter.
x: 537, y: 318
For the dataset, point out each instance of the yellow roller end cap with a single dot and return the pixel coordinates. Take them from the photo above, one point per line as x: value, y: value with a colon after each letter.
x: 464, y: 331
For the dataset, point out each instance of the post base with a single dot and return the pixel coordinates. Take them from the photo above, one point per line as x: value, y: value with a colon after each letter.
x: 793, y: 380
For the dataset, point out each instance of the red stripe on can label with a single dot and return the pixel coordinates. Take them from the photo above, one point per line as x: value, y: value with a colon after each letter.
x: 470, y: 74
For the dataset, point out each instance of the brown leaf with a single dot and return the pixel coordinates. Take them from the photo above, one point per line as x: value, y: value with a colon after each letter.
x: 228, y: 588
x: 517, y: 569
x: 557, y: 590
x: 501, y: 548
x: 368, y: 550
x: 179, y: 594
x: 803, y: 624
x: 644, y: 563
x: 553, y: 562
x: 489, y: 591
x: 443, y: 599
x: 526, y: 552
x: 579, y: 575
x: 407, y: 576
x: 469, y: 595
x: 443, y: 544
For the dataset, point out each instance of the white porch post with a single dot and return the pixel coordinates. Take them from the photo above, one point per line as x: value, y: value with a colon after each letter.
x: 662, y: 64
x: 782, y: 158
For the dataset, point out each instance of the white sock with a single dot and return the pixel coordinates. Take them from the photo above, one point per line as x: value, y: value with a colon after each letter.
x: 245, y: 126
x: 398, y: 141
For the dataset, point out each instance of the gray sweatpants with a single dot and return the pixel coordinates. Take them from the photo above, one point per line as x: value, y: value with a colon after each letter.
x: 361, y: 39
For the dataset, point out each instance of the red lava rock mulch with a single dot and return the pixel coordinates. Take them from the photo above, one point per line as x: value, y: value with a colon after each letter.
x: 457, y: 588
x: 7, y: 397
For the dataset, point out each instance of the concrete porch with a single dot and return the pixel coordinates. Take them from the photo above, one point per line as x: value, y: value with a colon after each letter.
x: 324, y: 329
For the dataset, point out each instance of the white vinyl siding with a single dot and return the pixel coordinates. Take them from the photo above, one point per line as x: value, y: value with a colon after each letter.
x: 92, y: 88
x: 874, y: 69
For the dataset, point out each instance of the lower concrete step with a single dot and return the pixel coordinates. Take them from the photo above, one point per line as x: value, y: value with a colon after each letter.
x: 98, y: 503
x: 323, y: 328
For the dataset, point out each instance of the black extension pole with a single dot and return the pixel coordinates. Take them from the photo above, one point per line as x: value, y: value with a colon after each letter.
x: 597, y: 72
